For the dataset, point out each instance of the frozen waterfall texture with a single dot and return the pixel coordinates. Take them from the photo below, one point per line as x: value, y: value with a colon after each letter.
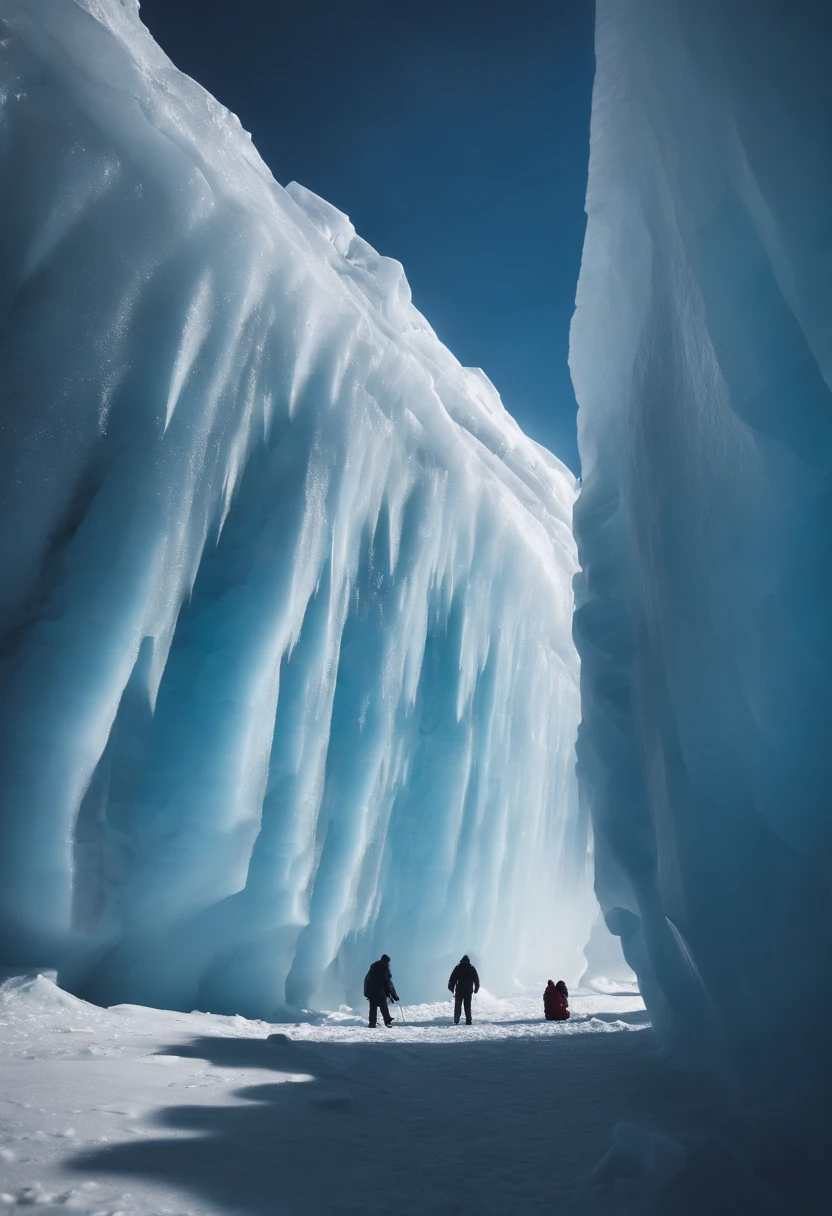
x: 702, y: 357
x: 287, y: 668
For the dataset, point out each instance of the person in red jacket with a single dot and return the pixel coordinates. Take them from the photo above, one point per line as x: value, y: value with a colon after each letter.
x: 556, y: 1002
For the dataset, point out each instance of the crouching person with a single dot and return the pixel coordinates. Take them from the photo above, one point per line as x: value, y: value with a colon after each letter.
x: 556, y: 1002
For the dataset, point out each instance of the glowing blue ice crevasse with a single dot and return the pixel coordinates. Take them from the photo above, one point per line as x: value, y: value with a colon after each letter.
x: 702, y: 361
x: 287, y: 665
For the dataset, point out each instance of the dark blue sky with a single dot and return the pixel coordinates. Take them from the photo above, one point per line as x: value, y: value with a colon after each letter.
x: 454, y: 133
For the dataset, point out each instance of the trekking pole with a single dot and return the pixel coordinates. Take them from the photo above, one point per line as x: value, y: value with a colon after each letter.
x: 401, y: 1011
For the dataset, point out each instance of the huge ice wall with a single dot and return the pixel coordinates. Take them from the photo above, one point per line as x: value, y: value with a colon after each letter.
x: 702, y: 357
x: 287, y: 672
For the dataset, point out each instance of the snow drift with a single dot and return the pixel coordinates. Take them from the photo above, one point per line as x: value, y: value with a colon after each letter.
x: 701, y: 352
x: 287, y: 668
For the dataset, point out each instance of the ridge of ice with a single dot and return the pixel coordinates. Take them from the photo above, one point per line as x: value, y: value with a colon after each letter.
x: 287, y: 672
x: 702, y: 361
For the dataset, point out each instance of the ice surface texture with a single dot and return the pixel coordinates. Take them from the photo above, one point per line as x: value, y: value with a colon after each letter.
x: 701, y: 352
x: 287, y: 669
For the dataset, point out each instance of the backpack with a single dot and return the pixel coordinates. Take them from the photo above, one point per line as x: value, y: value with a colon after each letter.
x: 368, y: 979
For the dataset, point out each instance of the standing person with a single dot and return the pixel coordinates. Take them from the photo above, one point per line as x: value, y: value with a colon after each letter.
x: 556, y: 1002
x: 463, y: 982
x: 378, y: 988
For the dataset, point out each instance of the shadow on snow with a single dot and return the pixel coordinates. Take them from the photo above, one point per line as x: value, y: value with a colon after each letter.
x: 492, y: 1127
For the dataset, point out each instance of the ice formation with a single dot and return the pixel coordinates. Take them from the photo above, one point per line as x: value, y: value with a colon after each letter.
x: 287, y: 665
x: 701, y: 352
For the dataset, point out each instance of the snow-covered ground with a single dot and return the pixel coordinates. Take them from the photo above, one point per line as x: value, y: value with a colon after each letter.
x: 145, y: 1112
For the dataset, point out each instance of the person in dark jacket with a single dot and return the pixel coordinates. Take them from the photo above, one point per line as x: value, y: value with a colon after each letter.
x: 378, y: 989
x: 463, y: 982
x: 556, y: 1002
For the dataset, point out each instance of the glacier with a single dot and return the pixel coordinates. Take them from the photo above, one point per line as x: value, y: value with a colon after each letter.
x: 701, y: 352
x: 287, y: 667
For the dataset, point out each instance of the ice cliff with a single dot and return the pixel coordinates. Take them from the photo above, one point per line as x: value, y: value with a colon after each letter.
x: 701, y: 352
x: 287, y: 670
